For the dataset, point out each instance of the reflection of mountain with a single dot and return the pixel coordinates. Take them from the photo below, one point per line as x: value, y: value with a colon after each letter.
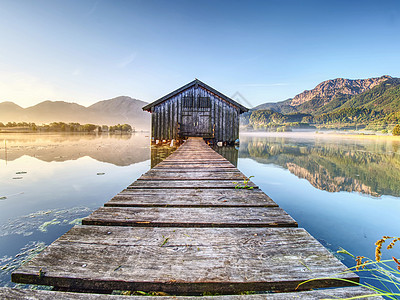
x: 370, y: 168
x: 120, y: 150
x: 323, y: 180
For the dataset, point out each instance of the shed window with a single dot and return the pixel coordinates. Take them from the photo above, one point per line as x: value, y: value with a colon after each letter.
x: 187, y: 102
x: 201, y: 103
x: 204, y: 102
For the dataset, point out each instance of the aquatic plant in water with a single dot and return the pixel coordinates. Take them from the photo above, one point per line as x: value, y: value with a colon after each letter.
x: 9, y: 263
x: 41, y: 220
x: 44, y: 226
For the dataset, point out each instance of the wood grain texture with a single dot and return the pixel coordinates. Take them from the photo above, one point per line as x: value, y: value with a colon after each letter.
x: 186, y: 184
x: 195, y: 165
x: 191, y: 217
x: 184, y: 260
x: 195, y: 169
x: 200, y: 175
x: 337, y: 293
x: 191, y: 198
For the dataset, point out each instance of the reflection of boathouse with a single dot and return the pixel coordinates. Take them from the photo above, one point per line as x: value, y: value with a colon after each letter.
x: 195, y: 109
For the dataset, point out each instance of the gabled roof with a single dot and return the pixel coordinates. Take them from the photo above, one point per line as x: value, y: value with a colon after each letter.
x: 195, y: 82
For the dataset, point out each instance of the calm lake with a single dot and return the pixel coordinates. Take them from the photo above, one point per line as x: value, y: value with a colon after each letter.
x: 345, y: 191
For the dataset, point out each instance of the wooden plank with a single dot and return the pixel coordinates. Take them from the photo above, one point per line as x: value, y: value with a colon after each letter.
x: 183, y: 169
x: 158, y: 123
x: 185, y: 184
x: 188, y: 151
x: 184, y: 260
x: 194, y: 166
x: 161, y: 175
x: 191, y: 153
x: 338, y: 293
x: 191, y: 217
x: 200, y: 150
x: 191, y: 198
x: 210, y: 170
x: 195, y: 159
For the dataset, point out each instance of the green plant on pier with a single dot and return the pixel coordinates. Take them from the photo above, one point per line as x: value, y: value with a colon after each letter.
x: 245, y: 184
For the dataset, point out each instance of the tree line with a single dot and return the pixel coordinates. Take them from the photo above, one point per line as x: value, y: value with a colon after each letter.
x: 68, y: 127
x: 344, y: 118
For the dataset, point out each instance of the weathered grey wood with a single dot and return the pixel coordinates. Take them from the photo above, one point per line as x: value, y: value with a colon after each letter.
x: 186, y: 184
x: 197, y: 159
x: 196, y: 163
x: 194, y: 158
x: 156, y: 170
x: 191, y: 217
x: 199, y: 153
x: 200, y: 150
x: 191, y: 198
x: 184, y: 260
x: 347, y: 292
x: 207, y: 108
x: 183, y: 169
x: 157, y: 119
x: 162, y: 175
x: 195, y: 166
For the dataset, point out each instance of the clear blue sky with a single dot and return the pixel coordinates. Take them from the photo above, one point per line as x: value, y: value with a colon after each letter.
x: 86, y: 50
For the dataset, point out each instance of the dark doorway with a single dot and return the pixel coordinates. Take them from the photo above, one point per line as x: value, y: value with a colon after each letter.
x: 196, y: 117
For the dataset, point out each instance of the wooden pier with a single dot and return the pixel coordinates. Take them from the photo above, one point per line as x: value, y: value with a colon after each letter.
x: 183, y: 228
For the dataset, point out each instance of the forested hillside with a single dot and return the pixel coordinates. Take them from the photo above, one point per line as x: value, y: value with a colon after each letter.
x: 377, y: 107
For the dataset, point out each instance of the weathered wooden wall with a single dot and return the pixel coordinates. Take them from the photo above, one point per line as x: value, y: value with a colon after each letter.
x: 221, y: 118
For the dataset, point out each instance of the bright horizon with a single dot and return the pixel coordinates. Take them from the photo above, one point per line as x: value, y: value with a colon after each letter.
x: 268, y: 51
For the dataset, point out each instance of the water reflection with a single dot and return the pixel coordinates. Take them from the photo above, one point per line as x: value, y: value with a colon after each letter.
x: 230, y: 153
x: 366, y: 166
x: 49, y: 181
x: 162, y: 151
x: 119, y: 150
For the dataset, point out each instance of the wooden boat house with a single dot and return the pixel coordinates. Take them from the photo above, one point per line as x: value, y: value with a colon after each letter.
x: 195, y: 110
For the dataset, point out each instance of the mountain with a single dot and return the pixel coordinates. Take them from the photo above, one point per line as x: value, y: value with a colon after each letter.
x: 329, y: 89
x: 107, y: 112
x: 378, y: 94
x: 385, y: 97
x: 124, y: 108
x: 49, y: 111
x: 10, y: 108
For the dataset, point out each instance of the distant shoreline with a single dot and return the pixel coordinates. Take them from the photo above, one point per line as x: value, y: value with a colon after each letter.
x: 320, y: 134
x: 71, y: 132
x: 288, y: 134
